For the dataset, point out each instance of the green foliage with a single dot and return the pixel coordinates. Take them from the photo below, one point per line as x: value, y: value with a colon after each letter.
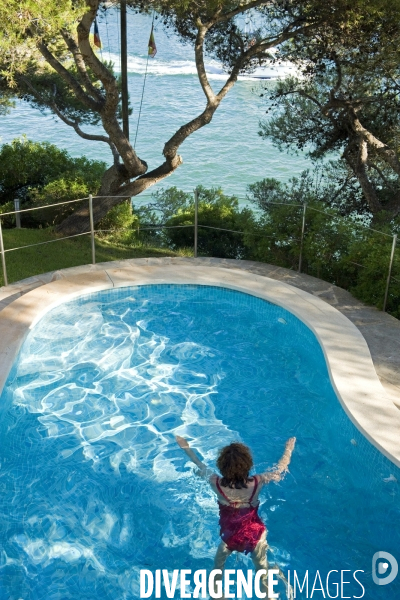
x: 8, y: 220
x: 51, y: 88
x: 368, y: 283
x: 327, y: 242
x: 24, y: 22
x: 39, y: 174
x: 330, y: 183
x: 41, y: 64
x: 340, y: 250
x: 298, y: 190
x: 120, y: 225
x: 119, y: 217
x: 274, y: 237
x: 25, y: 164
x: 164, y: 204
x: 336, y: 249
x: 309, y: 117
x: 60, y: 190
x: 215, y: 210
x: 6, y: 102
x: 345, y: 102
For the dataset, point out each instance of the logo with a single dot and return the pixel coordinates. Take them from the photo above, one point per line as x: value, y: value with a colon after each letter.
x: 381, y: 561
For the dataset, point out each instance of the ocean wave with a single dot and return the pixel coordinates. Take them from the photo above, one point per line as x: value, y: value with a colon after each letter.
x: 137, y: 65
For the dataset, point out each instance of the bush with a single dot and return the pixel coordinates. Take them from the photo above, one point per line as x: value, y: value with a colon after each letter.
x: 274, y: 237
x: 59, y: 190
x: 164, y: 204
x: 214, y: 210
x: 120, y: 224
x: 40, y: 173
x: 9, y: 221
x: 335, y: 249
x: 368, y: 283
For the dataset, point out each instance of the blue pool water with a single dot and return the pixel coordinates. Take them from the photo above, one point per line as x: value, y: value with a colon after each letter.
x: 93, y: 487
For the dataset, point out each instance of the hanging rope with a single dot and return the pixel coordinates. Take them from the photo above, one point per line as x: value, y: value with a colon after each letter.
x: 144, y: 83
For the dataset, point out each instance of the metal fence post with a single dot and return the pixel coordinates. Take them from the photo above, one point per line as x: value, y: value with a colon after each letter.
x: 17, y: 214
x: 390, y: 271
x: 196, y: 214
x: 3, y: 256
x: 303, y: 224
x: 92, y: 229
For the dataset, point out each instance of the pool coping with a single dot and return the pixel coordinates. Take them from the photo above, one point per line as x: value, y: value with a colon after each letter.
x: 347, y: 355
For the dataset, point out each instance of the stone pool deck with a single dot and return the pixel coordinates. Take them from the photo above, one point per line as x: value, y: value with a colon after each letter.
x: 380, y: 330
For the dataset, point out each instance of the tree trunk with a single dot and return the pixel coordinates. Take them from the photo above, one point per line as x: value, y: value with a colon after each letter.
x: 115, y: 189
x: 117, y: 183
x: 360, y: 169
x: 79, y: 221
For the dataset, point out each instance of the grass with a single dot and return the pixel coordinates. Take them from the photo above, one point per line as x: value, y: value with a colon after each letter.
x: 66, y: 253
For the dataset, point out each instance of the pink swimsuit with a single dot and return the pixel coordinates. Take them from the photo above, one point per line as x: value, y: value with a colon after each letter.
x: 240, y: 528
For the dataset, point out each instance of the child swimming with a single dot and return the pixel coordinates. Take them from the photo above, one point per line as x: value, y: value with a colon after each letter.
x: 241, y: 528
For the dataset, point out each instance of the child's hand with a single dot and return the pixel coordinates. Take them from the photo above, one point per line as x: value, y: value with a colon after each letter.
x: 181, y: 442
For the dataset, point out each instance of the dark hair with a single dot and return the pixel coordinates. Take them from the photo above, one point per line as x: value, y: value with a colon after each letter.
x: 234, y: 462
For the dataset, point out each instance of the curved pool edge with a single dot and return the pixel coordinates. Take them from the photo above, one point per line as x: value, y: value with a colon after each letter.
x: 348, y: 359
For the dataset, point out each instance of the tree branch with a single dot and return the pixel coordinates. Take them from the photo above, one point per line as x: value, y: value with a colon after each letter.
x: 199, y: 58
x: 339, y: 76
x: 304, y: 94
x: 79, y: 221
x: 253, y: 52
x: 67, y: 121
x: 381, y: 175
x: 133, y: 164
x: 68, y: 78
x: 172, y: 145
x: 81, y: 66
x: 213, y: 101
x: 87, y: 136
x: 359, y: 167
x: 240, y: 9
x: 102, y: 73
x: 384, y: 151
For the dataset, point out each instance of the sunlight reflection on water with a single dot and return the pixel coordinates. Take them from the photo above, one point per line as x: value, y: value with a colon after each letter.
x: 95, y: 488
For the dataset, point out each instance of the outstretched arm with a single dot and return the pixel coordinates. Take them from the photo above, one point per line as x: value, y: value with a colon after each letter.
x: 282, y: 467
x: 191, y: 454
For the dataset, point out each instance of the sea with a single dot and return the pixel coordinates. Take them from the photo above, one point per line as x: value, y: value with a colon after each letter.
x: 228, y: 153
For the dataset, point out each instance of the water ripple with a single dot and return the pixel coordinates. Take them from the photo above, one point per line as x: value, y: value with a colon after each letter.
x: 93, y: 485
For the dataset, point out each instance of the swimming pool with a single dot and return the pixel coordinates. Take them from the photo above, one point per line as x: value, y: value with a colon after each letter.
x: 93, y: 487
